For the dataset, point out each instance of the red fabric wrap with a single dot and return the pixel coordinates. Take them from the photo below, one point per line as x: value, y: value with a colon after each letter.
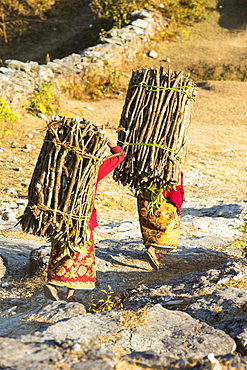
x: 176, y: 195
x: 107, y: 166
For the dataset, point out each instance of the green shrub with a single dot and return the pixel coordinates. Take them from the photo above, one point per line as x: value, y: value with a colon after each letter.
x: 185, y: 11
x: 42, y: 100
x: 7, y: 116
x: 117, y: 11
x: 178, y: 11
x: 108, y: 303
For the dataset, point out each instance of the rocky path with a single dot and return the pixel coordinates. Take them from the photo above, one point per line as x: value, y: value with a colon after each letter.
x: 191, y: 314
x: 210, y: 233
x: 193, y: 308
x: 148, y: 332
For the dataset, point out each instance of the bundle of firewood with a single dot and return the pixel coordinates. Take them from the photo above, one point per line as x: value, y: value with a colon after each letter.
x: 61, y: 192
x: 153, y: 128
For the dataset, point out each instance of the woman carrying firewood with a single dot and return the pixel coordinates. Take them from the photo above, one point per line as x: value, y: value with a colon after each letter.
x: 78, y: 270
x: 61, y: 194
x: 153, y: 129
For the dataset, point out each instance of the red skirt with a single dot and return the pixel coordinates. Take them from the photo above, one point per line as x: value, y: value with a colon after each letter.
x: 76, y: 272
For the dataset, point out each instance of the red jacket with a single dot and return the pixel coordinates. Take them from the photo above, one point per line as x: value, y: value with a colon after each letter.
x: 107, y: 166
x: 176, y: 195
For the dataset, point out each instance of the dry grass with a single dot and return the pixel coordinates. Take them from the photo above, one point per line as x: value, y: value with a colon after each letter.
x: 18, y: 235
x: 109, y: 338
x: 30, y: 287
x: 238, y: 284
x: 97, y: 83
x: 124, y: 365
x: 132, y: 319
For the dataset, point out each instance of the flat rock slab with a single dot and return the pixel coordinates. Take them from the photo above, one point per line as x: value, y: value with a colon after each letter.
x: 174, y: 334
x: 165, y: 325
x: 188, y: 285
x: 225, y: 309
x: 16, y: 324
x: 17, y: 252
x: 160, y: 330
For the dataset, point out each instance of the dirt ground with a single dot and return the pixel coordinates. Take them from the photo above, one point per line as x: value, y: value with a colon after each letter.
x: 76, y: 28
x: 218, y: 132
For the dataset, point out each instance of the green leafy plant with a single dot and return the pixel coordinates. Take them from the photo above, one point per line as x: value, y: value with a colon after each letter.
x: 7, y: 116
x: 245, y: 228
x: 178, y: 11
x: 42, y: 100
x: 117, y: 11
x: 154, y: 196
x: 240, y: 244
x: 108, y: 303
x: 244, y: 232
x: 68, y: 248
x: 102, y: 33
x: 185, y: 11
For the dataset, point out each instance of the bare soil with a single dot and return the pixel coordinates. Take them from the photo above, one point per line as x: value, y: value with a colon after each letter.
x: 65, y: 29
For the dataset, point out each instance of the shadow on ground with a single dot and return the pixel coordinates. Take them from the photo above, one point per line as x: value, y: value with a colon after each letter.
x: 233, y: 14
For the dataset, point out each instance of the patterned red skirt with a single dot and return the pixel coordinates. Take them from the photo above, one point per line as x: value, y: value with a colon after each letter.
x: 76, y: 272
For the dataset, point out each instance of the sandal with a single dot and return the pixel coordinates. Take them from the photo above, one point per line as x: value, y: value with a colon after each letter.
x: 71, y: 299
x: 51, y: 292
x: 152, y: 261
x: 161, y: 247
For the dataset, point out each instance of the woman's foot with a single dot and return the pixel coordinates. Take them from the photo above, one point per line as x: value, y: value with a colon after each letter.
x: 70, y: 293
x: 71, y: 299
x: 50, y: 292
x: 152, y: 256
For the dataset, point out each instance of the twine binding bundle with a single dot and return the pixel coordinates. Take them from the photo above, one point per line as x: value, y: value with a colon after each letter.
x: 61, y: 192
x: 153, y: 128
